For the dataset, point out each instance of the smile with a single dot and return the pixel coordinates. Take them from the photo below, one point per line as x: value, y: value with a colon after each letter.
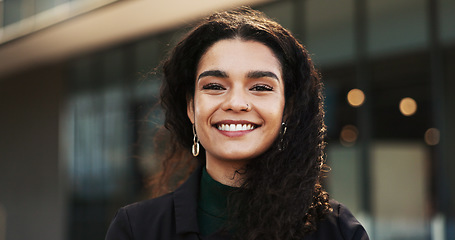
x: 235, y: 127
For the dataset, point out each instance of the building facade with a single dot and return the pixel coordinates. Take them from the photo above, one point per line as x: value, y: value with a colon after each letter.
x: 79, y: 84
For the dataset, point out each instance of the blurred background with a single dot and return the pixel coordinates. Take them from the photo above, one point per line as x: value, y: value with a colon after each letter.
x: 78, y: 108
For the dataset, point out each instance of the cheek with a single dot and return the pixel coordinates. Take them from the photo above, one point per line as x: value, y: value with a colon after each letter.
x: 274, y: 108
x: 203, y: 107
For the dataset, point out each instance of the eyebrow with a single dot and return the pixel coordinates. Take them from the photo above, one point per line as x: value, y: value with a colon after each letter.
x: 213, y: 73
x: 251, y: 74
x: 261, y: 74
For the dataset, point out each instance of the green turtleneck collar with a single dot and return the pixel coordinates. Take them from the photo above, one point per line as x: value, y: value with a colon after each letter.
x: 212, y: 204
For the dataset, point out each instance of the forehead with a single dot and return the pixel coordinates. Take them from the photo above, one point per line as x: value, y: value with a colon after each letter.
x: 239, y: 54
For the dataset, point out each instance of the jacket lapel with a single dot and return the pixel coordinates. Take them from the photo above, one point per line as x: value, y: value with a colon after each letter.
x: 185, y: 206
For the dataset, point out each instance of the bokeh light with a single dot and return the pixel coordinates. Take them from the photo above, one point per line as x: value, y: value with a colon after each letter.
x: 356, y: 97
x: 408, y: 106
x: 348, y: 135
x: 432, y: 136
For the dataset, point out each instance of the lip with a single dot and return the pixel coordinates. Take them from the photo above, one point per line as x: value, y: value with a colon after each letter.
x: 236, y: 122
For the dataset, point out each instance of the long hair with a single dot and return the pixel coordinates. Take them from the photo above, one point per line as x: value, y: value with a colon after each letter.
x: 281, y: 196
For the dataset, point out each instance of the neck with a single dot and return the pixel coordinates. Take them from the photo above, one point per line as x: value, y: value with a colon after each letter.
x: 226, y: 172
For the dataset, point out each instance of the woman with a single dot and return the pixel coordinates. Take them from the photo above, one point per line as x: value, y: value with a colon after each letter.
x: 242, y: 95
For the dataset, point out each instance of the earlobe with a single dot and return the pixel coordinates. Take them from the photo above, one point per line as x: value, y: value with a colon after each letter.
x: 190, y: 110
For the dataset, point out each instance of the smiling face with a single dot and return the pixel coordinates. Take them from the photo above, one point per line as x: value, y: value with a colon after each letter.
x: 238, y: 101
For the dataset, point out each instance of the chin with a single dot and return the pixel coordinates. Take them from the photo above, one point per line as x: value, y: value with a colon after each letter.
x: 239, y: 156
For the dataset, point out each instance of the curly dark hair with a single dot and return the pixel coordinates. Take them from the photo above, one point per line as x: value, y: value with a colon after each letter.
x: 281, y: 196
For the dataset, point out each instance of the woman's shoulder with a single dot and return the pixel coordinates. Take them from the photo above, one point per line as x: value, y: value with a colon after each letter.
x: 160, y: 217
x: 153, y: 202
x: 339, y: 224
x: 154, y: 207
x: 142, y: 218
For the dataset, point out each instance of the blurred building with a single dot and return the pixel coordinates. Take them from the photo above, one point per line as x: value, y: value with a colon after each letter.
x: 78, y: 108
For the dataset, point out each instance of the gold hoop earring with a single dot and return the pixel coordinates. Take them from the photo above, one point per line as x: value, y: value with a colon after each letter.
x: 195, y: 148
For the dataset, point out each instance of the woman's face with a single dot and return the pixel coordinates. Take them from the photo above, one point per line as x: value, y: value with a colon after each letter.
x: 238, y: 101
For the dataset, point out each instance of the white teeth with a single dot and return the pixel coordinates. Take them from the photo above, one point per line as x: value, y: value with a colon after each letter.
x: 235, y: 127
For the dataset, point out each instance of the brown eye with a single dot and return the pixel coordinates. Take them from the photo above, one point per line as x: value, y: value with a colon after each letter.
x: 261, y: 87
x: 213, y: 86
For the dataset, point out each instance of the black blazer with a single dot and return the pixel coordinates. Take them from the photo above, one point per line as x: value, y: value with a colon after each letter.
x: 174, y: 216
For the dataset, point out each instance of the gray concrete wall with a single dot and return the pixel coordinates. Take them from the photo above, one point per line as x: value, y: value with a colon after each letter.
x: 31, y: 192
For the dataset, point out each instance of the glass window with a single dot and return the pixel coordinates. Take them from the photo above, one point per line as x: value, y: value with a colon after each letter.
x: 447, y: 20
x: 399, y: 190
x: 43, y: 5
x: 12, y: 10
x: 281, y: 12
x: 330, y: 31
x: 396, y: 25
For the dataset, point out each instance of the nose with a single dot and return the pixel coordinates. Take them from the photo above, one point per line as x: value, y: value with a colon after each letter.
x: 237, y: 100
